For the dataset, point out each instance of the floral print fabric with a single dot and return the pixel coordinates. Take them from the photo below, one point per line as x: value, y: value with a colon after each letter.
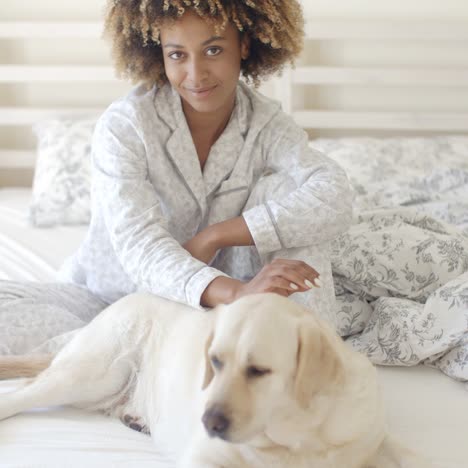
x: 61, y: 186
x: 401, y: 270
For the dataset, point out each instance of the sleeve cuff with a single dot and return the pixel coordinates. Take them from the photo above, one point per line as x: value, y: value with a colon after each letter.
x: 198, y: 283
x: 262, y: 229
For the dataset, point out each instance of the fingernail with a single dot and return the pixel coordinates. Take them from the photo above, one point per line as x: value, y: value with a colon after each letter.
x: 318, y: 283
x: 308, y: 283
x: 294, y: 286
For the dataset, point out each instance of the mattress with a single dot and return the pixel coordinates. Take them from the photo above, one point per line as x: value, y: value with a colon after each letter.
x: 426, y: 409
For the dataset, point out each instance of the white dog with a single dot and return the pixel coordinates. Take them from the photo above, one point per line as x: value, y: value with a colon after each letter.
x: 259, y: 383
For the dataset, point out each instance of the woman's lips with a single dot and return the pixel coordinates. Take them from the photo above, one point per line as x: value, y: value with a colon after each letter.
x: 201, y: 92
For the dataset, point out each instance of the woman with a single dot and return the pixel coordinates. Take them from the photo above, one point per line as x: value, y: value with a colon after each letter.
x: 203, y: 189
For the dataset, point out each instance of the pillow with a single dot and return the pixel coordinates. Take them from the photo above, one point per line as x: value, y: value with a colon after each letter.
x: 398, y: 171
x: 62, y: 178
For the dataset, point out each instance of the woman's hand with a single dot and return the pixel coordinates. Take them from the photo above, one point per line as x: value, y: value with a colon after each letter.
x: 281, y: 276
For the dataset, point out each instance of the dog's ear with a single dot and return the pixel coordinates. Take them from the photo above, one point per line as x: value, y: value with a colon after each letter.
x: 319, y: 360
x: 209, y: 374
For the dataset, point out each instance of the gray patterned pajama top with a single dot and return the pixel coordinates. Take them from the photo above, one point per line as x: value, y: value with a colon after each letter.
x: 149, y: 194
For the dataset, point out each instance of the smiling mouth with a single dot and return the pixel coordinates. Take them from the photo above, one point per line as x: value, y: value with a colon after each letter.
x: 202, y: 91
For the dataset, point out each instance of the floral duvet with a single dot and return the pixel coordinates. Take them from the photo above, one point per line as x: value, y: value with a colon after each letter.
x: 401, y: 270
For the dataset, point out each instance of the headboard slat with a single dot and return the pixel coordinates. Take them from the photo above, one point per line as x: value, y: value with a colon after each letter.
x: 449, y: 122
x: 16, y: 159
x: 50, y: 29
x: 17, y: 116
x: 381, y: 76
x: 62, y: 73
x: 386, y: 29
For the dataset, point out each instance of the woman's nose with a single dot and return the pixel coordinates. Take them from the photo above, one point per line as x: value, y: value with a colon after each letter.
x: 197, y: 71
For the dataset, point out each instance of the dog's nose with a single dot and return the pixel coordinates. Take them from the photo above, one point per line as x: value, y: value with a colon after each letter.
x: 216, y: 423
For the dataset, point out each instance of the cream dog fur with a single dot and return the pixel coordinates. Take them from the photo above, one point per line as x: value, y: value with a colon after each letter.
x: 258, y: 383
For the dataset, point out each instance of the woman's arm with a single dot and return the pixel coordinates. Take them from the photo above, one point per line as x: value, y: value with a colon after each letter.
x: 229, y: 233
x: 315, y: 204
x: 282, y: 276
x: 206, y: 243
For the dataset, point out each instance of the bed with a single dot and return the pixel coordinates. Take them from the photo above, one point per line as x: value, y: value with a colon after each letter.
x: 31, y: 253
x: 401, y: 183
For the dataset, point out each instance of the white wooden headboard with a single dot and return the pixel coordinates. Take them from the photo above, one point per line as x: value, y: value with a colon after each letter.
x: 403, y: 78
x: 356, y: 77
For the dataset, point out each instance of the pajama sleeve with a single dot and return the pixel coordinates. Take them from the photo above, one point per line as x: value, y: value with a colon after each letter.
x: 134, y: 216
x: 317, y: 209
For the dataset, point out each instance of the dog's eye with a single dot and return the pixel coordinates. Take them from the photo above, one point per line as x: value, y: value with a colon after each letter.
x: 217, y: 364
x: 253, y: 371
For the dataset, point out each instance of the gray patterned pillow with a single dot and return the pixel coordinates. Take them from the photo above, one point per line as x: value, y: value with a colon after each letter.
x: 62, y: 179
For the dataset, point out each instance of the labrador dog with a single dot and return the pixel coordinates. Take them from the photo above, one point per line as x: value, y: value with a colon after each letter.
x: 259, y: 383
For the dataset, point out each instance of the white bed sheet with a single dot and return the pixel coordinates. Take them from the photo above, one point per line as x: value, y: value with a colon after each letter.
x: 26, y: 252
x: 425, y: 408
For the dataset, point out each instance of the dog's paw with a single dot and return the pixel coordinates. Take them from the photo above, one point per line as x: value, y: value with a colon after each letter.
x: 135, y: 423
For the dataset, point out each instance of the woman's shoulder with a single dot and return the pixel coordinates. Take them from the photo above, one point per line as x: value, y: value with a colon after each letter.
x: 276, y: 121
x: 146, y: 108
x: 126, y: 120
x: 134, y: 102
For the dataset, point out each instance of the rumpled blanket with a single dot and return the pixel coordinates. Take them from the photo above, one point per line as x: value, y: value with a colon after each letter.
x: 401, y: 270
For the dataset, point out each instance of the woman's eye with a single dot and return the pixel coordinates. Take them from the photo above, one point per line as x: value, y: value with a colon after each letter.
x: 175, y: 55
x: 212, y: 51
x: 217, y: 364
x: 253, y: 371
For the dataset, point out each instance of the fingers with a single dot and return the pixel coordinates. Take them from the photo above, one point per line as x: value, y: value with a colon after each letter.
x: 299, y: 273
x: 283, y: 277
x: 271, y: 283
x: 280, y: 282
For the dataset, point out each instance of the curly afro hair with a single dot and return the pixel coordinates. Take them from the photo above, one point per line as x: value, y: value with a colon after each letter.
x: 275, y: 29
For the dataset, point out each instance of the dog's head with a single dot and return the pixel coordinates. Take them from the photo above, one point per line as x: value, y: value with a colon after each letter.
x: 266, y: 356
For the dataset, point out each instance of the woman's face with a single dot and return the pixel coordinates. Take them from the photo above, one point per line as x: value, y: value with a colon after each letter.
x: 203, y: 66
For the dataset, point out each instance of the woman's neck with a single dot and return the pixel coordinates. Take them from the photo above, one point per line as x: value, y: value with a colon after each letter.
x: 208, y: 125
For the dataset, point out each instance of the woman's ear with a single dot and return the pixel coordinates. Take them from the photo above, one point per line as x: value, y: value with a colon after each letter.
x: 319, y: 360
x: 245, y: 46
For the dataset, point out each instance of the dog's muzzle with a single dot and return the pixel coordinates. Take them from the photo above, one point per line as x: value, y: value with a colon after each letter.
x: 216, y: 422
